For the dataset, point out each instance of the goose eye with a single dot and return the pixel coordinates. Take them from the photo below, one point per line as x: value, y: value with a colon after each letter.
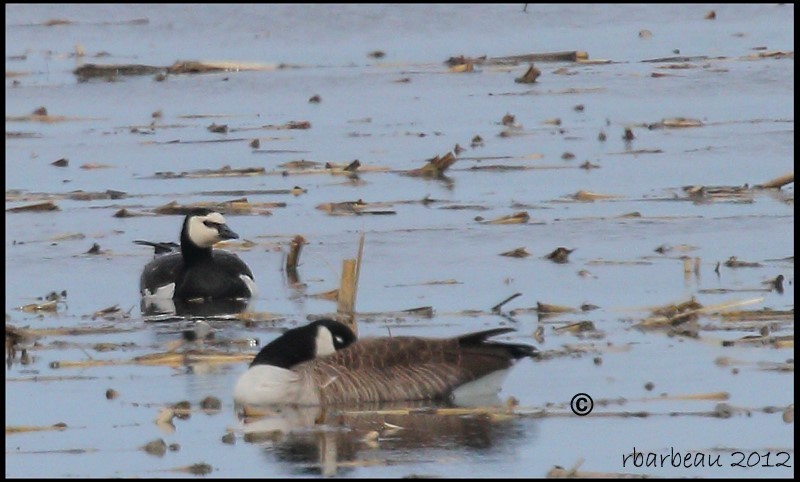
x: 211, y: 224
x: 339, y: 340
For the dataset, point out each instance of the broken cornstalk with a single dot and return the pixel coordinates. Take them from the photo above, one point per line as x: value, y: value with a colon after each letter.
x: 434, y: 167
x: 778, y: 182
x: 295, y: 247
x: 348, y: 288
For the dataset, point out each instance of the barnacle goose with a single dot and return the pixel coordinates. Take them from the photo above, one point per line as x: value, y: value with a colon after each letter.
x: 198, y: 272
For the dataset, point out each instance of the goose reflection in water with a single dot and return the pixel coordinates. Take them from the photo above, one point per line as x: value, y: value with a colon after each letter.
x: 155, y: 308
x: 337, y: 440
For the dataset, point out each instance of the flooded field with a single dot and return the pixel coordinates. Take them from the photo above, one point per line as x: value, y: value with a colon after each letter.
x: 656, y: 145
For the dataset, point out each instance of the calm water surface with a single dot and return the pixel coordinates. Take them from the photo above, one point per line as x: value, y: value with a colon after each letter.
x: 395, y: 112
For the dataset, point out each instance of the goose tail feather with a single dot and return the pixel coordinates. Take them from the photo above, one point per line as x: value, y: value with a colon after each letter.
x: 515, y: 350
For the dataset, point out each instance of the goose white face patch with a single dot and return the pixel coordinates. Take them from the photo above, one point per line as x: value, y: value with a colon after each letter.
x: 324, y: 342
x: 202, y: 235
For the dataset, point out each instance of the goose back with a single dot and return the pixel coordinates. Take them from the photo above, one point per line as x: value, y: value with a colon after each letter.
x: 407, y: 368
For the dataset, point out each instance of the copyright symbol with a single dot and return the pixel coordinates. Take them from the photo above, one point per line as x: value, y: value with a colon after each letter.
x: 581, y: 404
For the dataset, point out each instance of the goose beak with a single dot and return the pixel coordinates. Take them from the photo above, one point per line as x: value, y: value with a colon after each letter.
x: 226, y: 233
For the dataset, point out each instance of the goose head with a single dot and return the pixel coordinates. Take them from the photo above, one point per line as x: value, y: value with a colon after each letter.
x: 203, y: 228
x: 319, y: 338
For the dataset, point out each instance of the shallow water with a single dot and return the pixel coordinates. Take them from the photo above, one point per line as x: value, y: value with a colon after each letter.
x: 746, y: 106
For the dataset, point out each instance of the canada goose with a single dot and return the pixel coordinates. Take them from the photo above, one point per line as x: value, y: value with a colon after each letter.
x: 197, y: 271
x: 400, y: 368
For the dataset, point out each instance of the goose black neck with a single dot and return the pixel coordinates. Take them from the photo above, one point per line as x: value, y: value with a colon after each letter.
x: 285, y: 352
x: 301, y: 344
x: 191, y: 252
